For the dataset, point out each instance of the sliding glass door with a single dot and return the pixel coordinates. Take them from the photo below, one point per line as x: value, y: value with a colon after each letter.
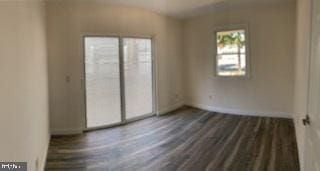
x: 118, y: 80
x: 102, y: 81
x: 138, y: 77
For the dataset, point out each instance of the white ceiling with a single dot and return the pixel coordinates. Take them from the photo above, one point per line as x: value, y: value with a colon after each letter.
x: 187, y: 8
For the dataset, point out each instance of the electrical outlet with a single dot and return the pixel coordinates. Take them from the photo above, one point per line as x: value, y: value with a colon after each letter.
x: 68, y: 79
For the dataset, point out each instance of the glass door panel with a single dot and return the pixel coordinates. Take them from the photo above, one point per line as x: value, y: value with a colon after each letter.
x: 137, y: 55
x: 102, y: 73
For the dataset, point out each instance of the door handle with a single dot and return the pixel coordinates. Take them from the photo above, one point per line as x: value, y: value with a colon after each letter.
x: 306, y: 120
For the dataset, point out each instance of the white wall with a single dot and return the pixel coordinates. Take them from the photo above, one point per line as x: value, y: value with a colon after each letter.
x: 68, y: 21
x: 269, y: 91
x: 24, y: 126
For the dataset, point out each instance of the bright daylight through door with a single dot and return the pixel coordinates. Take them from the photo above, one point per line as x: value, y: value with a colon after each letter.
x: 138, y: 77
x: 102, y: 74
x: 117, y: 84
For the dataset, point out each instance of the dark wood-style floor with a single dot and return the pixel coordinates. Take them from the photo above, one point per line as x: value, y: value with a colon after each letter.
x: 186, y: 139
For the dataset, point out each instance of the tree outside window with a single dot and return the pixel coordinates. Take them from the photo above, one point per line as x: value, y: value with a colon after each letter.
x: 231, y: 52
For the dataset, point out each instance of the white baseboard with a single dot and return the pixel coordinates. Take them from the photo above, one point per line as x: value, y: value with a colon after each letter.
x: 44, y: 155
x: 168, y: 109
x: 275, y: 114
x: 71, y: 131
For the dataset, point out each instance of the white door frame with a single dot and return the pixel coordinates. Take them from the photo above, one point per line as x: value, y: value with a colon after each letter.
x: 312, y: 138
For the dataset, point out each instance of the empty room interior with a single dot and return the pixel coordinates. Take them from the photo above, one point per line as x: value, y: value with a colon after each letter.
x: 160, y: 85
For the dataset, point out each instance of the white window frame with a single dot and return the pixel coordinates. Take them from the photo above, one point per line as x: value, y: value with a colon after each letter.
x: 231, y: 27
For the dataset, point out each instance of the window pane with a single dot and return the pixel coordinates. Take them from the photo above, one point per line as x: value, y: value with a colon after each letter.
x: 138, y: 77
x: 229, y: 65
x: 231, y: 41
x: 231, y: 52
x: 102, y: 81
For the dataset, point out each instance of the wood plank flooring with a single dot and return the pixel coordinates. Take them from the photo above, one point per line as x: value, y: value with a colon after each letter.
x: 186, y: 139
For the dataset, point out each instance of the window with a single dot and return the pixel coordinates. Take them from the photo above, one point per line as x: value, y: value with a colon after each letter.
x: 232, y: 52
